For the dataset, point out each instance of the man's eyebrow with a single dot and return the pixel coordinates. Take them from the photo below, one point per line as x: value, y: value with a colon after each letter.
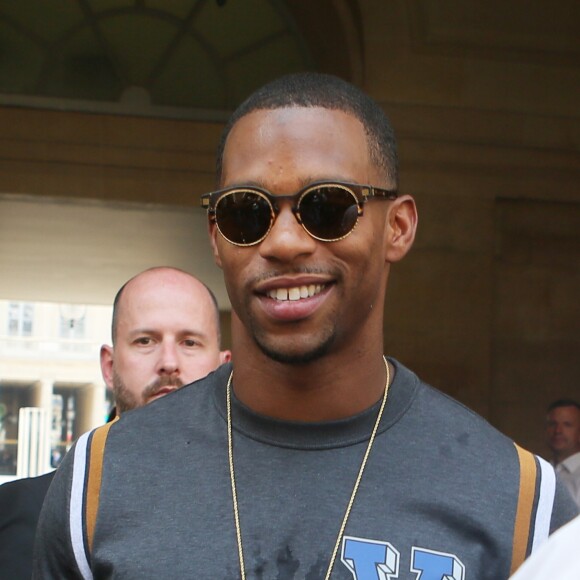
x: 140, y: 330
x: 182, y: 332
x: 303, y: 183
x: 189, y: 332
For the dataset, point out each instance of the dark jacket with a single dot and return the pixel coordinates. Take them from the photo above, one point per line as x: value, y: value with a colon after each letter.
x: 20, y: 503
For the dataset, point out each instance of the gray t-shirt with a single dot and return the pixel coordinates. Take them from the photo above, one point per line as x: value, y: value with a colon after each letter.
x: 438, y: 497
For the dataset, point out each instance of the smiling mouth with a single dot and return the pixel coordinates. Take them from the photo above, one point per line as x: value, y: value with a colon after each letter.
x: 296, y: 292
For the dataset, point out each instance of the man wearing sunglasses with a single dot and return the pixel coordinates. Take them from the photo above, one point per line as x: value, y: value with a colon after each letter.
x: 313, y: 456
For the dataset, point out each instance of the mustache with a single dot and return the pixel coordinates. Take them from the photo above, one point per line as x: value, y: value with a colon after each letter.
x: 160, y: 383
x: 293, y: 270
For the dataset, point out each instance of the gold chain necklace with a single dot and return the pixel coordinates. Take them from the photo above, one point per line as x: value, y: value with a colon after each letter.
x: 352, y: 495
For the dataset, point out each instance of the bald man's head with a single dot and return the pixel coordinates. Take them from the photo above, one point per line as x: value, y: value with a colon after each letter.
x: 158, y: 273
x: 165, y: 335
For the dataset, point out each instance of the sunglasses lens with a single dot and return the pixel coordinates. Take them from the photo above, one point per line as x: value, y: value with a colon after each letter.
x: 243, y: 217
x: 328, y: 212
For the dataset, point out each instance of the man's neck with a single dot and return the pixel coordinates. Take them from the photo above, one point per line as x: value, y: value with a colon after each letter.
x: 333, y: 387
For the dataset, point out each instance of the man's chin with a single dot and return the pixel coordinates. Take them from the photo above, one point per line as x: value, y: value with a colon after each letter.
x: 297, y: 356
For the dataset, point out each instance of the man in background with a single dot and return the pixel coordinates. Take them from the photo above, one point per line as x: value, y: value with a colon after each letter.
x: 165, y: 334
x: 563, y: 439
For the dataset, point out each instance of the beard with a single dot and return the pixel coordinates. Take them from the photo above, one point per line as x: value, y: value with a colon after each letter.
x: 286, y: 354
x: 125, y: 399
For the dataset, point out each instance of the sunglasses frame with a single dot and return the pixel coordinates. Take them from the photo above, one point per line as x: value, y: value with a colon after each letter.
x: 361, y: 194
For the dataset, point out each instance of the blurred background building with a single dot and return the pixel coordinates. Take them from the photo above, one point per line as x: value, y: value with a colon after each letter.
x: 48, y: 361
x: 111, y: 111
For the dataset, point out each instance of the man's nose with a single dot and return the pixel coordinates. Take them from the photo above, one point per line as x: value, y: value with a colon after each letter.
x: 168, y: 360
x: 287, y: 239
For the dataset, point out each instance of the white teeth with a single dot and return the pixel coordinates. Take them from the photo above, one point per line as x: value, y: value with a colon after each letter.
x: 296, y: 292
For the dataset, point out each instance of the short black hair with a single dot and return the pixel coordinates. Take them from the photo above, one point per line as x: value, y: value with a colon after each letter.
x: 117, y: 300
x: 563, y: 403
x: 327, y: 92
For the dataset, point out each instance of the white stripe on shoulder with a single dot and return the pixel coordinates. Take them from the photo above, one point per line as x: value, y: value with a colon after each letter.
x: 545, y: 503
x: 76, y: 506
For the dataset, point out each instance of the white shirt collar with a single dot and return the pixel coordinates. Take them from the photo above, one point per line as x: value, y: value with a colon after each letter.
x: 571, y: 463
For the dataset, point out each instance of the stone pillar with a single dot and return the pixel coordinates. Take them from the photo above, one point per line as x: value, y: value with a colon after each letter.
x: 41, y: 397
x: 42, y: 394
x: 90, y: 408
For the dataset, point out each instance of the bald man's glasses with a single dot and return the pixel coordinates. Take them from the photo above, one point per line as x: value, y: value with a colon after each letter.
x: 328, y: 211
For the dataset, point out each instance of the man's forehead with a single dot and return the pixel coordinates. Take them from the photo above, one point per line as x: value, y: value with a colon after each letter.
x: 179, y: 325
x: 146, y: 297
x: 303, y: 140
x: 262, y: 118
x: 565, y: 412
x: 153, y: 329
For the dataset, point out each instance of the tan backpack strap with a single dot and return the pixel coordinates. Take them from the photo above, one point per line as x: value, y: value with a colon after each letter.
x: 525, y: 507
x: 96, y: 455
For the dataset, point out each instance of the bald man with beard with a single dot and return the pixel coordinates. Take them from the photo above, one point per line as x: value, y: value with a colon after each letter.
x: 165, y: 334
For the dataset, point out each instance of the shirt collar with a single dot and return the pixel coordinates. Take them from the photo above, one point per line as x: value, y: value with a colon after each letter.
x: 571, y: 463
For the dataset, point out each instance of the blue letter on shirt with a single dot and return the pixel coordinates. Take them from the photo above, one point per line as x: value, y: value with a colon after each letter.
x: 430, y: 565
x: 369, y: 559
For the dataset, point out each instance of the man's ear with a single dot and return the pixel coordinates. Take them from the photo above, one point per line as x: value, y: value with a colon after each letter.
x: 401, y: 227
x: 213, y: 233
x: 107, y: 365
x: 225, y: 356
